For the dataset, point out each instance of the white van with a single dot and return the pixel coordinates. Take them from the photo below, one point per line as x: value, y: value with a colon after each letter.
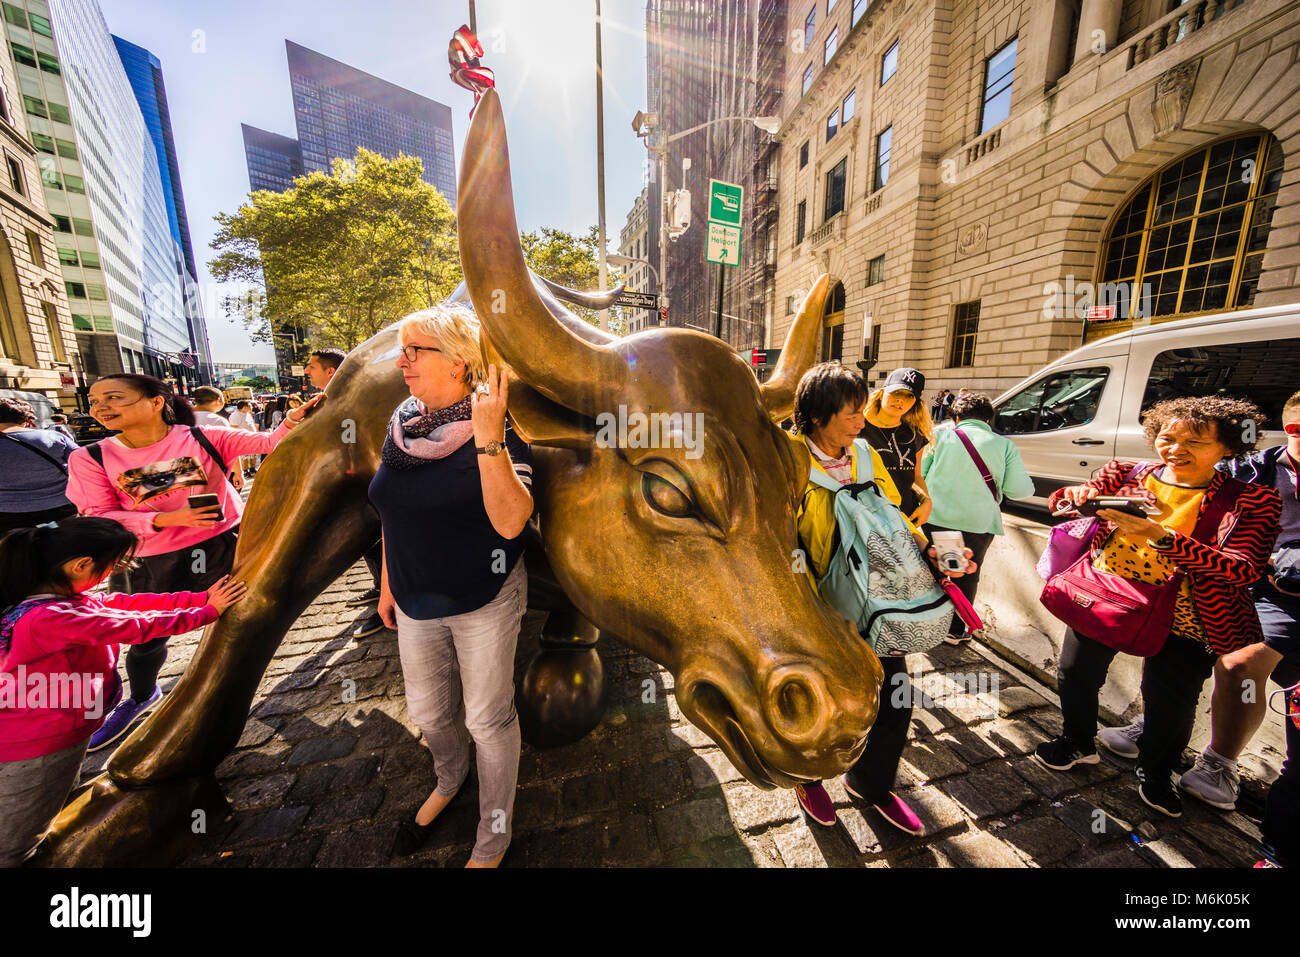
x: 1075, y: 415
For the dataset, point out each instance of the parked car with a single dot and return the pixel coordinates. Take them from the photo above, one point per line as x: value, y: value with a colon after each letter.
x: 1081, y: 411
x: 86, y: 429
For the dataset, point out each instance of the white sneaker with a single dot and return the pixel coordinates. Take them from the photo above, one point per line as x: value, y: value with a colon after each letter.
x: 1122, y: 741
x: 1213, y: 779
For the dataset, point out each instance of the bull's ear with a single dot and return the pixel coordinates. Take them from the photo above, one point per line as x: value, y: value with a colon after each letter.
x: 539, y: 421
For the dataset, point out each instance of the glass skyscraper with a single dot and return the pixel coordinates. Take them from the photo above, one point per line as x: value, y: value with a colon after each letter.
x: 144, y: 71
x: 338, y: 108
x: 103, y: 188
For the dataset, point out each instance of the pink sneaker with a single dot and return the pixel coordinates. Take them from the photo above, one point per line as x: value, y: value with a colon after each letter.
x: 899, y: 814
x: 816, y: 803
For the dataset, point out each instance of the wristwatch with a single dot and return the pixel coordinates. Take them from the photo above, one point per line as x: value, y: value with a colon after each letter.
x: 492, y: 448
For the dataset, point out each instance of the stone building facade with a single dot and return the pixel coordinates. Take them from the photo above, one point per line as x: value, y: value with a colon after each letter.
x: 38, y: 349
x: 634, y: 241
x: 987, y: 184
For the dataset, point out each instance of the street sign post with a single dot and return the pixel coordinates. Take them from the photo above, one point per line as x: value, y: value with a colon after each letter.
x: 723, y: 244
x: 725, y: 201
x: 637, y: 300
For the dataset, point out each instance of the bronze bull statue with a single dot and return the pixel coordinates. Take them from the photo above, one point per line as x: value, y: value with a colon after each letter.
x: 685, y: 552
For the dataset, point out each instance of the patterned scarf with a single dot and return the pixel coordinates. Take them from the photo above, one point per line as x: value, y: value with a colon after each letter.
x: 416, y: 437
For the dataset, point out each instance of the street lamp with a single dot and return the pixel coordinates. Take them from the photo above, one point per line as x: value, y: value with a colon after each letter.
x: 645, y: 123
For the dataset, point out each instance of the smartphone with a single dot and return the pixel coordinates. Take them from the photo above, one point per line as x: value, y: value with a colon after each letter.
x: 949, y: 547
x: 1132, y: 506
x: 207, y: 500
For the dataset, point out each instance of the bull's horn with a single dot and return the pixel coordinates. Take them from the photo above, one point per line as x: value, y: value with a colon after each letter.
x: 544, y: 354
x: 798, y: 353
x: 588, y: 300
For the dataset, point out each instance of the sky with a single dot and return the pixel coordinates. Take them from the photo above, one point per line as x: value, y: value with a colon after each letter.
x: 224, y: 64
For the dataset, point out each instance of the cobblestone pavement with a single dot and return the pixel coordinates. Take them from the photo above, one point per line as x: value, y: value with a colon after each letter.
x: 317, y: 780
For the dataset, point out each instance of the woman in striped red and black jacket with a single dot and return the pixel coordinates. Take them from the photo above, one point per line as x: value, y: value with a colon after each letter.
x: 1214, y: 613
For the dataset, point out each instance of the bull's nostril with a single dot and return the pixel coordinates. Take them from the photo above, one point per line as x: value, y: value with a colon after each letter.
x: 796, y: 705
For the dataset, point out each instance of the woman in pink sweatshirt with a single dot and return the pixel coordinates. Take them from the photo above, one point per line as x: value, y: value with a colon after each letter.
x: 58, y: 659
x: 143, y: 477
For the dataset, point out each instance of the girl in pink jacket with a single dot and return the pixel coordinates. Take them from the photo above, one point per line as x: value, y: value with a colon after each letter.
x: 144, y: 478
x: 58, y: 659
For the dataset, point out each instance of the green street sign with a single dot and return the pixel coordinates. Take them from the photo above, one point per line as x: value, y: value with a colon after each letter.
x: 723, y: 244
x: 725, y: 202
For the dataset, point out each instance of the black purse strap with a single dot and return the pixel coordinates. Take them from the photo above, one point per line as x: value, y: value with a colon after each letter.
x: 61, y: 466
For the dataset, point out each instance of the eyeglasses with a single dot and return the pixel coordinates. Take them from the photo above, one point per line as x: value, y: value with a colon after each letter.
x: 413, y: 352
x: 114, y: 401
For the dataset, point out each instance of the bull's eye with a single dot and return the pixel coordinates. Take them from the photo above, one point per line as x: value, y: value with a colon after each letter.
x: 664, y: 497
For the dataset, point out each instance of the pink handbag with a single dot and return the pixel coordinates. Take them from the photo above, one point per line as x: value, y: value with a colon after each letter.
x: 1132, y: 617
x: 1070, y: 540
x: 965, y: 610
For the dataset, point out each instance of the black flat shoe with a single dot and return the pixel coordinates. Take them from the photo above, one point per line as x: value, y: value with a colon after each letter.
x: 411, y: 836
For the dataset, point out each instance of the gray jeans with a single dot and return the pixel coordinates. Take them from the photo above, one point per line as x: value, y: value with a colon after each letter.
x: 32, y: 792
x: 460, y: 684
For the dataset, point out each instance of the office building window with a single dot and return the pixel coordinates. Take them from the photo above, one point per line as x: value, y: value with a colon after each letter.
x: 832, y: 41
x: 68, y: 257
x: 807, y: 79
x: 82, y: 323
x: 809, y: 28
x: 90, y: 260
x: 999, y: 72
x: 82, y: 227
x: 74, y: 184
x: 34, y: 247
x: 16, y: 176
x: 1192, y: 238
x: 43, y: 143
x: 76, y: 290
x: 50, y: 175
x: 48, y: 63
x: 835, y: 182
x: 884, y: 146
x: 15, y: 15
x: 859, y: 8
x: 801, y: 221
x: 96, y: 291
x: 803, y: 155
x: 24, y: 55
x: 67, y: 150
x: 60, y: 114
x: 832, y: 124
x: 41, y: 26
x: 56, y: 336
x: 62, y: 224
x: 965, y: 330
x: 35, y: 107
x: 889, y: 63
x: 833, y: 328
x: 846, y: 109
x: 876, y: 271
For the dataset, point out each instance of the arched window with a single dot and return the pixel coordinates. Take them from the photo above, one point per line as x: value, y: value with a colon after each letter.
x: 833, y: 325
x: 1194, y: 233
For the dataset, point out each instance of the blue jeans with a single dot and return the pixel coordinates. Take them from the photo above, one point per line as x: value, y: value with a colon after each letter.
x: 459, y: 673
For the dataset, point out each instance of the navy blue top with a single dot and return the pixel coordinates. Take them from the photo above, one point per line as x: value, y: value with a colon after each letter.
x: 439, y: 543
x: 29, y: 482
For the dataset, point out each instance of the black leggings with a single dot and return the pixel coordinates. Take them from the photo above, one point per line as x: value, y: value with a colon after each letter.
x: 873, y: 774
x: 1171, y: 685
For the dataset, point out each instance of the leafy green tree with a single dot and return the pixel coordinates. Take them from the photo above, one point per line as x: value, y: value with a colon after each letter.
x: 339, y: 255
x: 569, y: 260
x: 257, y: 383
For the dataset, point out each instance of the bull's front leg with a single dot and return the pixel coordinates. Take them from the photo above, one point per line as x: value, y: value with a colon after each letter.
x: 307, y: 521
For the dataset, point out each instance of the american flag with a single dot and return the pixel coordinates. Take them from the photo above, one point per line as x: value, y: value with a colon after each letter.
x: 187, y: 359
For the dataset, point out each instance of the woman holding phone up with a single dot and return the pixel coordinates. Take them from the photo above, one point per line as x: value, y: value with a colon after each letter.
x: 1214, y: 613
x: 165, y: 479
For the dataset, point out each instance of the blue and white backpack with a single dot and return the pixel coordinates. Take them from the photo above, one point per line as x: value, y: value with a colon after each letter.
x: 877, y: 576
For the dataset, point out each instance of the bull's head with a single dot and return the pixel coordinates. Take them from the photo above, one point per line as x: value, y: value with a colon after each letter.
x: 685, y: 548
